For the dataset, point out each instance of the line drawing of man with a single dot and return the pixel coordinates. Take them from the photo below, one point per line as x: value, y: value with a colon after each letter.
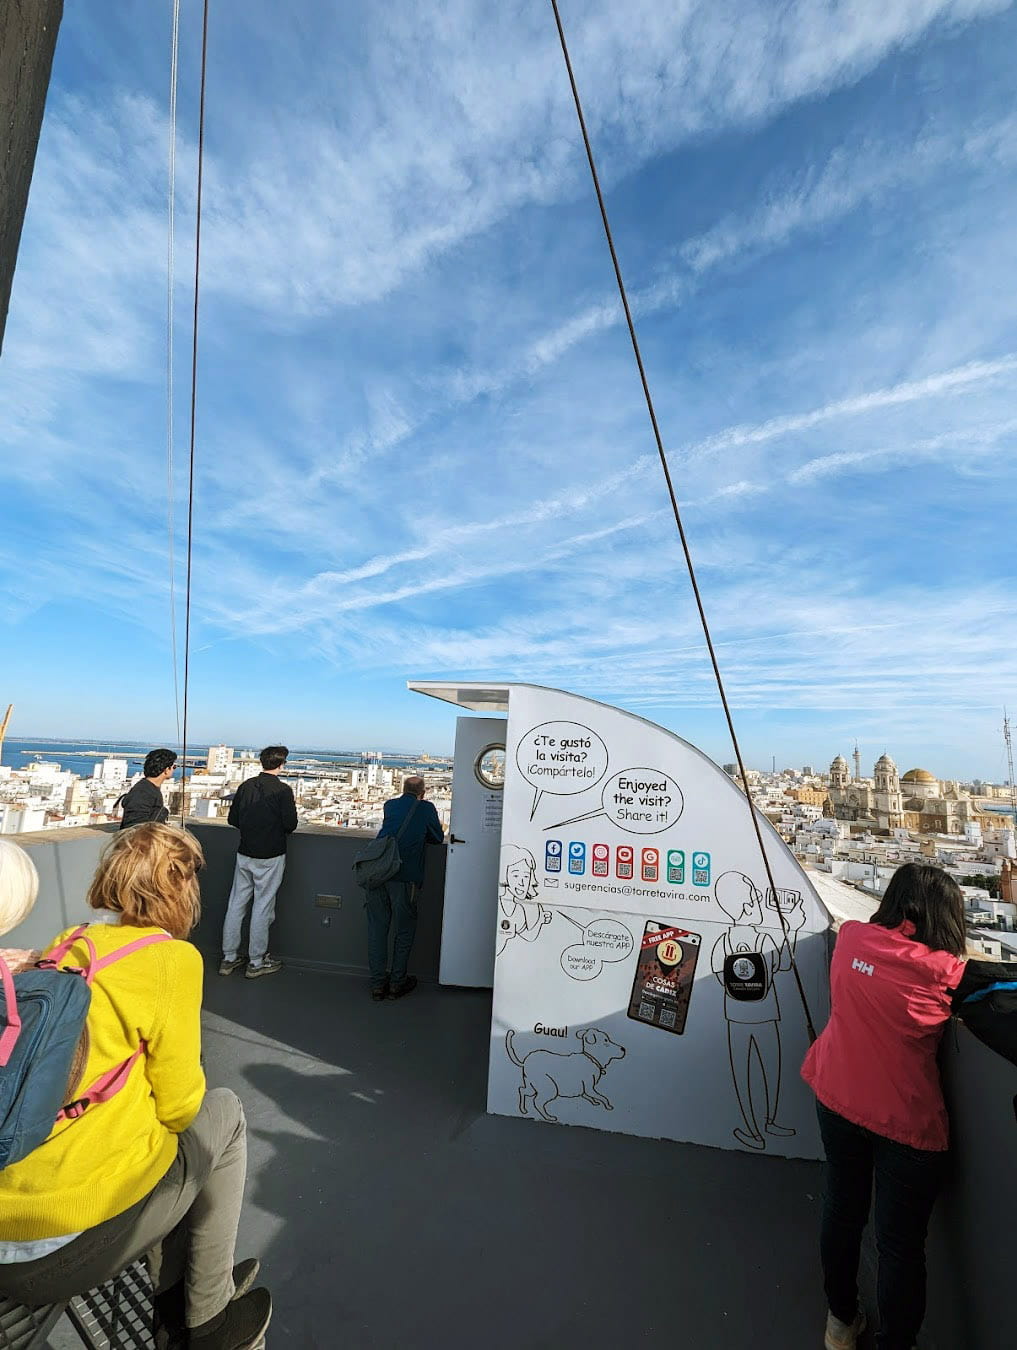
x: 753, y: 1026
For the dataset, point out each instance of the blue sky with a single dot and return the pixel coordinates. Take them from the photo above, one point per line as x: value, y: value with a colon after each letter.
x: 422, y: 449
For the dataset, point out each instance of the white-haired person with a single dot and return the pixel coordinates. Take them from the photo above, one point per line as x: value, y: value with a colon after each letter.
x: 158, y: 1168
x: 19, y: 886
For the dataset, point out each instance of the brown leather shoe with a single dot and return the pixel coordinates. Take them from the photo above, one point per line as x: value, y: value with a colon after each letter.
x: 404, y: 987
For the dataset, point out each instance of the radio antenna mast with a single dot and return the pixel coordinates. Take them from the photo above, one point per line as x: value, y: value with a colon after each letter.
x: 1009, y: 765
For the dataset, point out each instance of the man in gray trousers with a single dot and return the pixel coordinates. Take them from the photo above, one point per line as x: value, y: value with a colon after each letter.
x: 265, y: 813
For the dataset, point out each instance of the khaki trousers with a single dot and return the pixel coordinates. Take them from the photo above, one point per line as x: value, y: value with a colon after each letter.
x: 186, y: 1227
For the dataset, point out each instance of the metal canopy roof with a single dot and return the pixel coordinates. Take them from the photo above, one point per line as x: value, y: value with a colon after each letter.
x: 476, y: 695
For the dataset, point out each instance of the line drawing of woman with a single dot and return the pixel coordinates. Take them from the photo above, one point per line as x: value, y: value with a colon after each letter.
x: 518, y: 884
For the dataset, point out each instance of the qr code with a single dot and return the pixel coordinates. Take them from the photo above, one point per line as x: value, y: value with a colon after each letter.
x: 668, y: 1017
x: 646, y: 1010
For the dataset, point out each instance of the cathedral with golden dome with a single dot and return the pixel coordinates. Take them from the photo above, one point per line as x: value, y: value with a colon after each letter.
x: 915, y: 800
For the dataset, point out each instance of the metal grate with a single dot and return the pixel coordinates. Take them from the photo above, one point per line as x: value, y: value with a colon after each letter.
x: 117, y: 1315
x: 24, y: 1328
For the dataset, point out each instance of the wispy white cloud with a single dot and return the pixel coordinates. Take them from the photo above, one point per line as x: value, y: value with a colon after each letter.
x: 957, y: 444
x: 854, y: 175
x: 943, y: 383
x: 420, y: 437
x: 428, y: 154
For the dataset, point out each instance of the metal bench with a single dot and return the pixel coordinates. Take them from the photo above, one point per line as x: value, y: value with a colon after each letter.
x: 114, y: 1316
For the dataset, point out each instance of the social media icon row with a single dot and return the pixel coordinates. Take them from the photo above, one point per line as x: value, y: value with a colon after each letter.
x: 599, y: 856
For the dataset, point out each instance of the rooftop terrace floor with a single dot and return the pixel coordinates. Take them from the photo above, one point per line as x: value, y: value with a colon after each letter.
x: 390, y: 1210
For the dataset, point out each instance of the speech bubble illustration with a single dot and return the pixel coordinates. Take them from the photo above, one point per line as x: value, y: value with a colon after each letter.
x: 640, y: 801
x: 562, y: 758
x: 604, y: 942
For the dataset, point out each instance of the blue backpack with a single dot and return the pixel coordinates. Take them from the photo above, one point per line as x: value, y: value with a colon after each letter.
x: 43, y: 1043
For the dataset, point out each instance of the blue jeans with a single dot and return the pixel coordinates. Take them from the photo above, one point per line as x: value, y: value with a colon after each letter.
x: 907, y: 1183
x: 388, y: 906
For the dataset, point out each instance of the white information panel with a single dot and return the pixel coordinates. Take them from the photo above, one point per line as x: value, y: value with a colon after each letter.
x: 643, y: 977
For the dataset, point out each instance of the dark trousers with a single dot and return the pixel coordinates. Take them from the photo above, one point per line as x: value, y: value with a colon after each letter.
x: 907, y: 1181
x: 388, y: 906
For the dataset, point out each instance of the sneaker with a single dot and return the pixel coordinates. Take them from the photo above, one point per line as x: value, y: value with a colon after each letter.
x: 406, y: 986
x: 168, y: 1330
x: 379, y: 992
x: 267, y: 967
x: 843, y: 1335
x: 227, y: 967
x: 240, y: 1326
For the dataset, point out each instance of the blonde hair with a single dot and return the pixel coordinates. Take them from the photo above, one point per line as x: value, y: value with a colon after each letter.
x: 149, y: 876
x: 19, y: 885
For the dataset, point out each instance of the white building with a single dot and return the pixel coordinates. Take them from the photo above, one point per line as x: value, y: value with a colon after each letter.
x: 249, y: 767
x: 220, y: 759
x: 111, y: 772
x: 999, y: 843
x: 20, y: 818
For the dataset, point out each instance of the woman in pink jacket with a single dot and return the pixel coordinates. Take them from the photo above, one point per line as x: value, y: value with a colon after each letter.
x: 880, y: 1100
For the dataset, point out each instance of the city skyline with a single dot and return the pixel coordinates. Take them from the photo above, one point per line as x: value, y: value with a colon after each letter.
x: 816, y: 765
x: 421, y: 450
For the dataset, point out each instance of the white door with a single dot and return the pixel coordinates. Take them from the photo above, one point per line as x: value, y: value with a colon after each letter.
x: 471, y: 876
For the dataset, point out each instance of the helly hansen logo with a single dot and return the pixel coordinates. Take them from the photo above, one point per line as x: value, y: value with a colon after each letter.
x: 864, y: 966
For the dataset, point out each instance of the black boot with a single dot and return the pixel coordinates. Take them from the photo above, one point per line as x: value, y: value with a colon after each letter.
x: 240, y: 1326
x: 168, y: 1324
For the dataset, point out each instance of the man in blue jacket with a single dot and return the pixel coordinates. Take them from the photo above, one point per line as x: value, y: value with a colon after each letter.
x: 395, y: 903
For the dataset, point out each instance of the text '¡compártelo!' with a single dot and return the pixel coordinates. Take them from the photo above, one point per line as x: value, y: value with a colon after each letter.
x: 559, y: 771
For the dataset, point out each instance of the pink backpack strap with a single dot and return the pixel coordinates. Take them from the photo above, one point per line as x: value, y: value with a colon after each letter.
x: 101, y: 962
x: 12, y: 1020
x: 95, y: 961
x: 108, y: 1084
x: 54, y: 957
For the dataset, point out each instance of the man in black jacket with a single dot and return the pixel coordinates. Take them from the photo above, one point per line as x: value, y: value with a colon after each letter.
x: 394, y: 905
x: 144, y: 801
x: 265, y: 813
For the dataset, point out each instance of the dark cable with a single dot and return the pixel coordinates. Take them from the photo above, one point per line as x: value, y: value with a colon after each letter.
x: 675, y: 508
x: 194, y: 400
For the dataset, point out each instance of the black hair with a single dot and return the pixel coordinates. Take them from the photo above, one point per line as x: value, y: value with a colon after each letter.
x: 273, y: 756
x: 931, y: 900
x: 158, y: 761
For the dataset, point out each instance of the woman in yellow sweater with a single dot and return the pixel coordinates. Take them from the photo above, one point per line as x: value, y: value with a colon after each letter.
x: 159, y: 1169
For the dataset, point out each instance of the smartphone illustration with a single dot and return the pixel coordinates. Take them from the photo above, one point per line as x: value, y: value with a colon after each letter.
x: 665, y: 972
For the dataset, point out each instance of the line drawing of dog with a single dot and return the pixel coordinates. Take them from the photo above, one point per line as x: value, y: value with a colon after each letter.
x: 548, y: 1074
